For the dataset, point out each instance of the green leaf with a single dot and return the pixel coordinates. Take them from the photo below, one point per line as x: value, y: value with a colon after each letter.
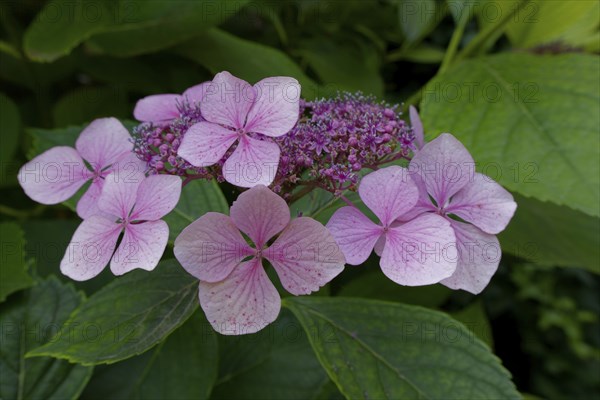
x: 44, y: 139
x: 374, y: 349
x: 87, y: 103
x: 375, y: 285
x: 62, y: 24
x: 345, y: 65
x: 475, y: 319
x: 10, y: 128
x: 183, y: 366
x: 418, y: 18
x: 29, y: 321
x: 13, y: 268
x: 218, y: 50
x: 530, y: 122
x: 275, y: 363
x: 553, y: 235
x: 154, y: 25
x: 572, y: 23
x: 127, y: 317
x: 197, y: 198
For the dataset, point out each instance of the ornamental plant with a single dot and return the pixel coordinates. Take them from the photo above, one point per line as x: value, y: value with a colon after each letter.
x: 299, y: 200
x: 436, y: 217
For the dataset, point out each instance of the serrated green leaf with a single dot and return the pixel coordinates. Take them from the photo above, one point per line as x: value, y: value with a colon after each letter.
x: 553, y: 235
x: 275, y: 363
x: 374, y: 349
x: 475, y: 319
x: 127, y: 317
x: 530, y: 122
x: 183, y: 366
x: 30, y: 321
x: 13, y: 268
x: 197, y: 198
x: 218, y: 50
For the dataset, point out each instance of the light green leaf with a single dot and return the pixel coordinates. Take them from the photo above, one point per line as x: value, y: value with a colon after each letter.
x: 374, y: 349
x: 218, y: 50
x: 13, y: 268
x: 276, y: 363
x: 126, y: 317
x: 183, y: 366
x: 571, y: 23
x: 197, y: 198
x: 154, y: 25
x: 530, y: 122
x: 553, y: 235
x: 62, y: 24
x: 29, y: 321
x: 10, y: 128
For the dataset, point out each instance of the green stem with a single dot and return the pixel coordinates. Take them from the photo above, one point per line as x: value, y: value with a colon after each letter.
x: 455, y: 41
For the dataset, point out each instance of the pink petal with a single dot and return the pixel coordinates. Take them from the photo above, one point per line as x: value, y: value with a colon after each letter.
x: 253, y: 162
x: 142, y: 247
x: 245, y: 302
x: 88, y: 203
x: 260, y: 214
x: 305, y: 256
x: 417, y: 126
x: 389, y: 193
x: 157, y: 108
x: 485, y: 204
x: 478, y: 258
x: 445, y: 165
x: 53, y: 176
x: 157, y: 196
x: 354, y: 233
x: 104, y: 142
x: 276, y: 108
x: 420, y: 252
x: 91, y: 248
x: 423, y: 204
x: 210, y: 247
x: 197, y: 94
x: 227, y: 100
x: 119, y: 194
x: 205, y: 143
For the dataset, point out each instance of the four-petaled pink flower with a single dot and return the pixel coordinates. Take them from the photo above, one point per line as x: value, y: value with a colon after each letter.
x: 445, y: 172
x: 55, y: 175
x: 235, y: 291
x: 131, y: 204
x: 163, y: 108
x: 412, y: 253
x: 235, y: 111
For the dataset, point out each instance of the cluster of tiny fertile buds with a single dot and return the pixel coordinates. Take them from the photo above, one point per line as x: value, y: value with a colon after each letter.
x: 437, y: 219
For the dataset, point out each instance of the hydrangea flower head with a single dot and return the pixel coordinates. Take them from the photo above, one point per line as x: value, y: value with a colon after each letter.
x: 235, y: 291
x: 245, y: 115
x: 411, y: 252
x: 132, y: 204
x: 444, y: 173
x: 57, y: 174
